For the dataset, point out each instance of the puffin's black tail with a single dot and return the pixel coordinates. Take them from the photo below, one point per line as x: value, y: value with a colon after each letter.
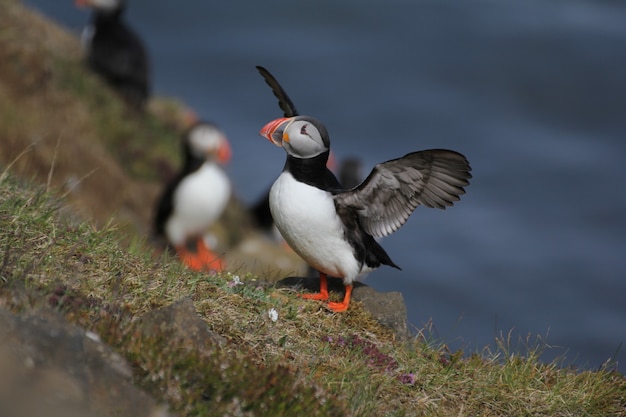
x: 366, y: 248
x: 376, y: 255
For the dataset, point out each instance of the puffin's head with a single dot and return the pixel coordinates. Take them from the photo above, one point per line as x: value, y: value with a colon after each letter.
x: 301, y: 136
x: 204, y: 140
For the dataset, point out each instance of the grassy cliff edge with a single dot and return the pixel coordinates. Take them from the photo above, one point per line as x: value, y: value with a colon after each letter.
x: 61, y: 234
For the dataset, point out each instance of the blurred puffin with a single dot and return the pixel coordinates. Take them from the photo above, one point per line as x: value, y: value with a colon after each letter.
x: 115, y: 52
x: 196, y: 197
x: 334, y: 229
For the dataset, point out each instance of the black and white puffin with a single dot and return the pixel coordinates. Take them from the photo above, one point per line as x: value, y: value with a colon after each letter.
x: 260, y: 211
x: 115, y: 51
x: 196, y: 197
x: 334, y: 229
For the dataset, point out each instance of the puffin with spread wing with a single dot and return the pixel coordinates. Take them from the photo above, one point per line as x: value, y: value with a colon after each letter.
x: 334, y: 229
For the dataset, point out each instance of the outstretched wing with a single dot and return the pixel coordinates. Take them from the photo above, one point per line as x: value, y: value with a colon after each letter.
x: 285, y: 103
x: 388, y: 196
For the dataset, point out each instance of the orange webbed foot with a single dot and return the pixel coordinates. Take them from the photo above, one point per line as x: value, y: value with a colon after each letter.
x: 200, y: 259
x: 321, y: 296
x: 337, y: 307
x: 342, y: 306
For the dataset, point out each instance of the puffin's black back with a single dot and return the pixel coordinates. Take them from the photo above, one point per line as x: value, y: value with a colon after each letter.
x: 118, y: 55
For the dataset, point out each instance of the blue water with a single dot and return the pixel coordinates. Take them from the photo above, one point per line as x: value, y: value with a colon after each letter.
x: 532, y: 92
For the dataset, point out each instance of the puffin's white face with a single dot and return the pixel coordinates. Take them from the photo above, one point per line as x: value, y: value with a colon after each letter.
x: 303, y: 139
x: 207, y: 141
x: 301, y: 136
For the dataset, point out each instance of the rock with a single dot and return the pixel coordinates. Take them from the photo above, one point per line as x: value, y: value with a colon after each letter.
x: 387, y: 308
x: 257, y: 255
x: 180, y: 321
x: 52, y: 368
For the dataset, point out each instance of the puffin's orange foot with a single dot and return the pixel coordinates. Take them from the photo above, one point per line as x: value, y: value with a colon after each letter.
x: 338, y: 307
x: 204, y: 264
x: 202, y: 259
x: 323, y: 296
x: 342, y: 306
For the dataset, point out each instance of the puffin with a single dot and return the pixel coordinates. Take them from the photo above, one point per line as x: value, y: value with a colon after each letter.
x: 260, y: 210
x: 196, y: 197
x: 335, y: 229
x: 115, y: 51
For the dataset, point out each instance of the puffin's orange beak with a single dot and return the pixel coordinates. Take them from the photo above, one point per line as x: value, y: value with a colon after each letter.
x: 273, y: 131
x: 224, y: 153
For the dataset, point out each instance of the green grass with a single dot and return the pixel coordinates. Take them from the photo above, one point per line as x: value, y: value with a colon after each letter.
x: 142, y: 143
x: 307, y: 361
x: 87, y: 276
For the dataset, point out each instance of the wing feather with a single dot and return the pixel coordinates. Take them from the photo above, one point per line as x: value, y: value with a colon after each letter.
x: 393, y: 190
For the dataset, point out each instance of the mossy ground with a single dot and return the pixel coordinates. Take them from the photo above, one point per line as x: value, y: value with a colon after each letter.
x: 307, y: 359
x: 98, y: 270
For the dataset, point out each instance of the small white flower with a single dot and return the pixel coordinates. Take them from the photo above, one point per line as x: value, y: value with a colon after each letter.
x: 273, y: 314
x: 236, y: 281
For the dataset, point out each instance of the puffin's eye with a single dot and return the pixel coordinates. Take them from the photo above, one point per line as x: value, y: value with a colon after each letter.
x: 303, y: 130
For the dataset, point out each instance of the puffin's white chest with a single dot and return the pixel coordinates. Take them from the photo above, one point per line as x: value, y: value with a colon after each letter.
x: 199, y: 201
x: 307, y: 219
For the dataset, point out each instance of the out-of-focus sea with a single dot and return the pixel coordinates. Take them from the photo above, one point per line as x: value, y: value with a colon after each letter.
x: 533, y: 92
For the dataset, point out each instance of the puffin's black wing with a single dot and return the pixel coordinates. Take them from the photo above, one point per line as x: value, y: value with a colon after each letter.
x: 285, y: 103
x: 388, y: 196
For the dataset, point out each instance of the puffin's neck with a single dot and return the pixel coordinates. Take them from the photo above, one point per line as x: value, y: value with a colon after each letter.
x: 313, y: 171
x: 191, y: 163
